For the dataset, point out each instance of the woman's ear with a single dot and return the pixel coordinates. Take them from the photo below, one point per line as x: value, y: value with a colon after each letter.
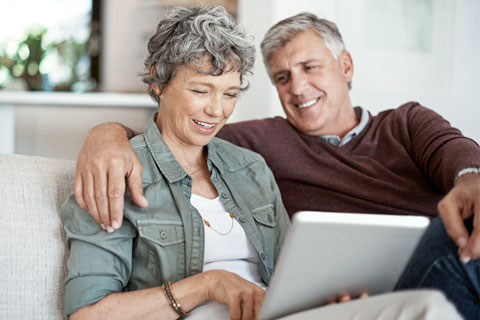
x: 157, y: 89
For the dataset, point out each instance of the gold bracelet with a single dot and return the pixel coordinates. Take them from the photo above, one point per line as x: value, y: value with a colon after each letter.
x: 171, y: 299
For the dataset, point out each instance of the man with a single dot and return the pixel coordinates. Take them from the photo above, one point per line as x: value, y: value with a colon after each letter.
x: 327, y: 155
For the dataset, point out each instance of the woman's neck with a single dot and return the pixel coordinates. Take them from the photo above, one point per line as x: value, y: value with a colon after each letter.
x: 190, y: 157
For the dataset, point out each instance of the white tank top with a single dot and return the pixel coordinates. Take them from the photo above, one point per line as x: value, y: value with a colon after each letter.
x: 226, y: 247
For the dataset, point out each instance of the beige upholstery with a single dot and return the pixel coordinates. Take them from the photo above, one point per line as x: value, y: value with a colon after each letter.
x: 32, y: 248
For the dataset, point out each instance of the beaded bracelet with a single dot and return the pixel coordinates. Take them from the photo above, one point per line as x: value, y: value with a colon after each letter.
x: 465, y: 171
x: 171, y: 299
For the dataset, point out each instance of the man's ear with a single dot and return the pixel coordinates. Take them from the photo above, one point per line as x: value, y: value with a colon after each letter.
x: 346, y: 64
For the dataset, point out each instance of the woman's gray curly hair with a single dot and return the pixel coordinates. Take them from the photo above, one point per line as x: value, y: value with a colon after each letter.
x: 187, y: 35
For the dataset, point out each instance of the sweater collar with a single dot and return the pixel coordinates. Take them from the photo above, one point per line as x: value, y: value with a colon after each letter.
x: 362, y: 117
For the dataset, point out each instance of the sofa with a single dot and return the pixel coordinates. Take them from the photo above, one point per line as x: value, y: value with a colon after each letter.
x: 32, y: 248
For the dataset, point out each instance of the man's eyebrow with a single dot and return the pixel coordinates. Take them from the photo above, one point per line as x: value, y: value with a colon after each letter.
x: 309, y: 61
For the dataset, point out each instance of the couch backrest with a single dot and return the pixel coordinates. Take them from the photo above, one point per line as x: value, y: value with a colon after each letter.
x: 32, y: 247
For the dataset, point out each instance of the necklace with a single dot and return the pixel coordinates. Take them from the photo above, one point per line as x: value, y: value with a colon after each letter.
x: 196, y: 170
x: 220, y: 233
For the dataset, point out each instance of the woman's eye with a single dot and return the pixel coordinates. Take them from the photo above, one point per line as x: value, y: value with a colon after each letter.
x: 231, y: 95
x: 199, y: 91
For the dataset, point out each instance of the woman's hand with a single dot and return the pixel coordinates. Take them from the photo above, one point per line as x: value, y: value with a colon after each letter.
x: 242, y: 297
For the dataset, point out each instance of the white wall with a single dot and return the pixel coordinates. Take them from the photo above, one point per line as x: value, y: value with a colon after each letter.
x: 59, y: 132
x: 455, y: 97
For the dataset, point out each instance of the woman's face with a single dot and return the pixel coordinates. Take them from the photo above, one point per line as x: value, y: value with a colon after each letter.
x: 194, y: 106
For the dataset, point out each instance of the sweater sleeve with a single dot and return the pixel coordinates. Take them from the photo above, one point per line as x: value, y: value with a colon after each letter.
x: 246, y: 134
x: 440, y: 150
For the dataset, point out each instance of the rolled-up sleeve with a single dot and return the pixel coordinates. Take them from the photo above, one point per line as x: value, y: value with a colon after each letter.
x: 99, y: 263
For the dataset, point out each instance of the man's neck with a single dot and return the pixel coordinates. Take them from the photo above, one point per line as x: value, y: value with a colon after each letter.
x: 346, y: 121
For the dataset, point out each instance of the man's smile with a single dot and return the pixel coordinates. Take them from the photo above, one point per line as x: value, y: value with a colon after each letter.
x: 307, y: 104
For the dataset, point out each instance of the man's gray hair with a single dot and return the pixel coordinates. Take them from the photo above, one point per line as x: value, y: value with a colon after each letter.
x: 186, y: 36
x: 282, y: 32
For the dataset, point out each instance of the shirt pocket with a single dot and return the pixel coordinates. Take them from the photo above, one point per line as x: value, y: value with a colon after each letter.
x: 265, y: 216
x: 163, y: 233
x: 163, y: 244
x: 266, y: 222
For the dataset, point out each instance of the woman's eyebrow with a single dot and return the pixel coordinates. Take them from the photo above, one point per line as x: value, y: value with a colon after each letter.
x: 211, y: 85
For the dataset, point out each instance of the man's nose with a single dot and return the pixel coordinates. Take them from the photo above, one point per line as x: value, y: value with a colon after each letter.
x: 298, y: 84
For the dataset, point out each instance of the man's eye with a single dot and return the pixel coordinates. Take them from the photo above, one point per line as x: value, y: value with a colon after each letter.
x: 310, y: 67
x: 199, y: 91
x: 281, y: 79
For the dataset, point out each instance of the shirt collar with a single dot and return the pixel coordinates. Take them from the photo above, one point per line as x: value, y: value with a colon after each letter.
x: 166, y: 162
x: 362, y: 116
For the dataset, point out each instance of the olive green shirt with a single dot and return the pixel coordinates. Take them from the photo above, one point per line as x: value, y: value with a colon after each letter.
x: 165, y: 241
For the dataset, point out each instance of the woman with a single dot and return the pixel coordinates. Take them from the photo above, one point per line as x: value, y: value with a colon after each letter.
x: 215, y: 220
x: 207, y: 244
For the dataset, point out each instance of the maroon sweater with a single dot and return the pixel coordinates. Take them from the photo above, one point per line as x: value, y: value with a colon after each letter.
x: 403, y: 162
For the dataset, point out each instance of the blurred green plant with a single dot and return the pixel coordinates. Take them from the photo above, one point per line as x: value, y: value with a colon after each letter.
x: 43, y: 65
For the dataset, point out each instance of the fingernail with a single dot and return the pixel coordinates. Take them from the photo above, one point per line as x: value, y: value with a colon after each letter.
x: 103, y: 227
x: 465, y: 259
x: 110, y: 229
x: 461, y: 242
x: 115, y: 225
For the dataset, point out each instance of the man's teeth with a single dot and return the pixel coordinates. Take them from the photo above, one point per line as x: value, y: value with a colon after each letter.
x: 307, y: 104
x: 203, y: 124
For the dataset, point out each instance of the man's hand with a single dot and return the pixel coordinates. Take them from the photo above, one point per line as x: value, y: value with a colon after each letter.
x: 463, y: 202
x: 105, y: 160
x: 347, y: 297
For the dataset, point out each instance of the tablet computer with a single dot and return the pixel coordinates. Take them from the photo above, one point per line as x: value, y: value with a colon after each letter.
x: 328, y: 254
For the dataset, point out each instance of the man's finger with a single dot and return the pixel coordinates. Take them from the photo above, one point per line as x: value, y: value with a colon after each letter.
x: 345, y: 298
x: 450, y: 211
x: 88, y: 195
x: 363, y: 295
x: 116, y: 190
x: 78, y: 191
x: 472, y: 249
x: 101, y: 198
x: 134, y: 183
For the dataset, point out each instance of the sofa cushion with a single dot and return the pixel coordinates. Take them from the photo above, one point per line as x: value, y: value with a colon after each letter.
x: 32, y: 246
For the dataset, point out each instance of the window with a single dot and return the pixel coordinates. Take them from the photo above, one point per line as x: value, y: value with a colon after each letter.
x: 44, y: 45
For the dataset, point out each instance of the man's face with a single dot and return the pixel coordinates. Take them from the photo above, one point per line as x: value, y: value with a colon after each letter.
x: 312, y: 85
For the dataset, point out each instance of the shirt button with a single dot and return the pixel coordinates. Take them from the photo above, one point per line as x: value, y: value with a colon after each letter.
x: 242, y: 219
x: 163, y: 234
x: 270, y: 218
x: 263, y: 256
x: 224, y: 195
